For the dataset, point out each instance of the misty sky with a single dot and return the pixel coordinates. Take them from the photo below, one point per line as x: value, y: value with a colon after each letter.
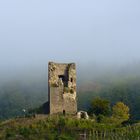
x: 33, y: 32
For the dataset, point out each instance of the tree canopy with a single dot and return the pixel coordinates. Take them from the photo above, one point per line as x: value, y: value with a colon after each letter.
x: 120, y: 111
x: 100, y: 107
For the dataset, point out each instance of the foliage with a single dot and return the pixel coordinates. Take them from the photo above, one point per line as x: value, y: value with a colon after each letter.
x: 64, y: 128
x: 16, y: 96
x: 100, y: 107
x: 120, y: 112
x: 124, y: 90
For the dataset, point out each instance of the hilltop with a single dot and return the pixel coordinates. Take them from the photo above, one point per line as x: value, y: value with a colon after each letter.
x: 44, y: 127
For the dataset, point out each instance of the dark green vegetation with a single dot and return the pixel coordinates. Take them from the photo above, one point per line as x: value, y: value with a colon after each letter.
x: 64, y: 128
x: 101, y: 111
x: 126, y: 90
x: 103, y: 100
x: 16, y: 96
x: 100, y: 106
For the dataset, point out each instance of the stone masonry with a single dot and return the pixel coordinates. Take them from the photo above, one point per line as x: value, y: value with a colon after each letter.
x: 62, y: 88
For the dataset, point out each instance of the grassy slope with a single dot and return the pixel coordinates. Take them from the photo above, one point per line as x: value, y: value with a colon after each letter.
x: 63, y: 128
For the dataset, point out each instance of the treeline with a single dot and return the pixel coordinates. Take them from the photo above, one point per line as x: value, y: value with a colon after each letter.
x: 16, y: 96
x: 126, y: 91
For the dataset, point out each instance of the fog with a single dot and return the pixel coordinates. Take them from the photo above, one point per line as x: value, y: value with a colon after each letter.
x: 99, y: 36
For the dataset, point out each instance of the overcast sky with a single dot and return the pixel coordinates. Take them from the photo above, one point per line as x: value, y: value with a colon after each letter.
x: 33, y: 32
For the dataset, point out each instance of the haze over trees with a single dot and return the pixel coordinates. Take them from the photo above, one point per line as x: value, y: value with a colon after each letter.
x: 31, y: 91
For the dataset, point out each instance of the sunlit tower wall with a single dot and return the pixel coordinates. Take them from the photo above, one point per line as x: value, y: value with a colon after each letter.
x: 62, y: 88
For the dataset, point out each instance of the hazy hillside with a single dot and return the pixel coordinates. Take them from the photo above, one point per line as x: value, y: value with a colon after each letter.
x: 29, y: 89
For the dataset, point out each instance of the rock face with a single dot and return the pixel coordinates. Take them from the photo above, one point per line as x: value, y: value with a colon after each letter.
x: 62, y: 88
x: 82, y: 115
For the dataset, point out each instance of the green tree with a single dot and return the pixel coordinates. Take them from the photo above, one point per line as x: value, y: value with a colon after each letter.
x: 120, y: 112
x: 100, y: 107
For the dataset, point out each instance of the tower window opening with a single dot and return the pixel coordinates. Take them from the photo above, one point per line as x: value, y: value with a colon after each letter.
x: 62, y: 77
x: 64, y: 112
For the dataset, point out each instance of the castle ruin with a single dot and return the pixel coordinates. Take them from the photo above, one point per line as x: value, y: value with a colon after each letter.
x: 62, y: 88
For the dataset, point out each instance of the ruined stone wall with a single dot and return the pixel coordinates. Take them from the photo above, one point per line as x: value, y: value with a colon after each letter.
x: 62, y: 88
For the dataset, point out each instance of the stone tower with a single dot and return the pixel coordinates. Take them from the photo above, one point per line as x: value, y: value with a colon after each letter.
x: 62, y: 88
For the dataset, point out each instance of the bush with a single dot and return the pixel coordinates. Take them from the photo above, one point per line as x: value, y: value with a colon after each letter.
x: 100, y: 107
